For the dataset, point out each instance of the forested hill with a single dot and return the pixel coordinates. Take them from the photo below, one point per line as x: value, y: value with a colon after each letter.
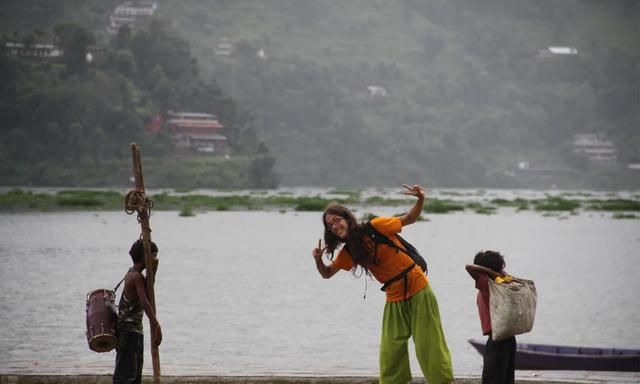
x: 67, y: 119
x: 450, y: 93
x: 472, y: 88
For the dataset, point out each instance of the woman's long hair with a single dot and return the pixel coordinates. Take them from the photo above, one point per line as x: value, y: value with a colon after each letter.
x: 362, y: 253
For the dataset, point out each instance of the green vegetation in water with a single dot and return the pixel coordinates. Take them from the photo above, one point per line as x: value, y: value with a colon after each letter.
x: 619, y: 215
x: 186, y: 204
x: 442, y: 206
x: 481, y: 208
x: 485, y: 210
x: 614, y: 205
x: 313, y: 204
x: 551, y: 203
x: 186, y: 211
x: 18, y: 199
x: 170, y: 202
x: 519, y: 203
x: 89, y: 199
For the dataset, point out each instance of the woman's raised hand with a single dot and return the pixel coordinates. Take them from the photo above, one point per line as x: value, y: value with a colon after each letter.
x: 317, y: 252
x: 414, y: 190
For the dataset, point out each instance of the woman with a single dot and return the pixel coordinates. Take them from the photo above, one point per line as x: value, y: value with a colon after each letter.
x: 411, y: 309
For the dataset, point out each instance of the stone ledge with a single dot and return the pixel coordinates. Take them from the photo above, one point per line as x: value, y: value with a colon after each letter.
x: 106, y: 379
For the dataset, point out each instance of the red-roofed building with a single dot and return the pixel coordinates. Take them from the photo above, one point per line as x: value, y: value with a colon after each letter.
x: 196, y: 131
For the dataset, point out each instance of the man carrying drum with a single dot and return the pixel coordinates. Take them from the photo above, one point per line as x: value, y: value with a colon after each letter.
x: 130, y: 349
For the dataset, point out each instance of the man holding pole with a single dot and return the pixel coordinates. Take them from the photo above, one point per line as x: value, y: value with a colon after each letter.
x: 134, y: 300
x: 137, y: 201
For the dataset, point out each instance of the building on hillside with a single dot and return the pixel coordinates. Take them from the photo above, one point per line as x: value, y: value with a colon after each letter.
x: 199, y: 132
x: 131, y: 13
x: 557, y: 51
x: 224, y: 47
x: 33, y: 50
x: 376, y: 91
x: 596, y: 148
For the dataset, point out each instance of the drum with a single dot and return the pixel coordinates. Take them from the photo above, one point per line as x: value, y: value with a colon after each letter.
x: 102, y: 318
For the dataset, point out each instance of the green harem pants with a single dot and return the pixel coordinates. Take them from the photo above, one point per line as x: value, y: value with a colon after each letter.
x: 419, y: 317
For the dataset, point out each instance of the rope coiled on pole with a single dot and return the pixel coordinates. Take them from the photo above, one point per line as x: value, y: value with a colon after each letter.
x: 137, y: 201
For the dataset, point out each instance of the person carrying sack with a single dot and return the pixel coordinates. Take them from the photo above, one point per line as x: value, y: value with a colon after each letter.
x: 411, y: 309
x: 499, y: 356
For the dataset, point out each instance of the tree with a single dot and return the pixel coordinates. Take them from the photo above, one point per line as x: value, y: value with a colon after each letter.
x: 75, y: 50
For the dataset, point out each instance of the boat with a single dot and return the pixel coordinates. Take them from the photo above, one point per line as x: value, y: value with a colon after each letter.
x: 568, y: 358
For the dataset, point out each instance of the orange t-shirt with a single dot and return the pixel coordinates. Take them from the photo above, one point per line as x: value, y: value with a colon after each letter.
x: 391, y: 262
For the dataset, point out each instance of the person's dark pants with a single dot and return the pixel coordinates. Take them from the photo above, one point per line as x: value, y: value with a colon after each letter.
x: 499, y: 361
x: 129, y: 354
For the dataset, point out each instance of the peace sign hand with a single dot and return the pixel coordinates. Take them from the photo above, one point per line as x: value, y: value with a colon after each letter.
x: 414, y: 190
x: 317, y: 252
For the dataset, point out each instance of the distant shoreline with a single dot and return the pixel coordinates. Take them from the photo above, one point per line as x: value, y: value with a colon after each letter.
x: 189, y: 203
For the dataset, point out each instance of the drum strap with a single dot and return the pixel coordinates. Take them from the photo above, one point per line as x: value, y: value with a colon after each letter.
x: 118, y: 285
x: 115, y: 289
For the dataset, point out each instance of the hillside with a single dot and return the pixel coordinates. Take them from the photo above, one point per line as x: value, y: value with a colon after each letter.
x: 73, y: 97
x: 378, y: 93
x: 469, y: 94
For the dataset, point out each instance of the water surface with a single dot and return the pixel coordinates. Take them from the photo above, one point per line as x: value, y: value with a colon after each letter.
x: 238, y: 294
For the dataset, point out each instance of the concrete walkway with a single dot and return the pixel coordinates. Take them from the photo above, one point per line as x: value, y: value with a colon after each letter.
x: 522, y: 377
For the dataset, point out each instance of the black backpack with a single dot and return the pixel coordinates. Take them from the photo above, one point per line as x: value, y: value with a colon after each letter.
x: 407, y: 248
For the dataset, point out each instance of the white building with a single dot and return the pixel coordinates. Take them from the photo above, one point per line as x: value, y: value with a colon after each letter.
x: 224, y: 47
x: 131, y: 14
x: 34, y: 50
x: 377, y: 91
x: 596, y: 148
x: 557, y: 51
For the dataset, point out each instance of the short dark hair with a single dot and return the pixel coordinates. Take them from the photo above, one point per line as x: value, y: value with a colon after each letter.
x: 490, y: 259
x: 137, y: 250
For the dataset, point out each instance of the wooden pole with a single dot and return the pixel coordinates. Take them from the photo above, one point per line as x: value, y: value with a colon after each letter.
x: 150, y: 261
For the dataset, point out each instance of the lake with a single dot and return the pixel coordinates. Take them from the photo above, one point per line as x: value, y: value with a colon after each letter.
x: 238, y: 293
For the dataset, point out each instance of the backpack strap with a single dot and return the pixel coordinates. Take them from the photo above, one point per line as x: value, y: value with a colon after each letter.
x: 407, y: 248
x: 401, y: 275
x: 380, y: 238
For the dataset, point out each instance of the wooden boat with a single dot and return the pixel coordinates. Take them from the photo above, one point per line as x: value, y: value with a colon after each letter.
x: 566, y: 358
